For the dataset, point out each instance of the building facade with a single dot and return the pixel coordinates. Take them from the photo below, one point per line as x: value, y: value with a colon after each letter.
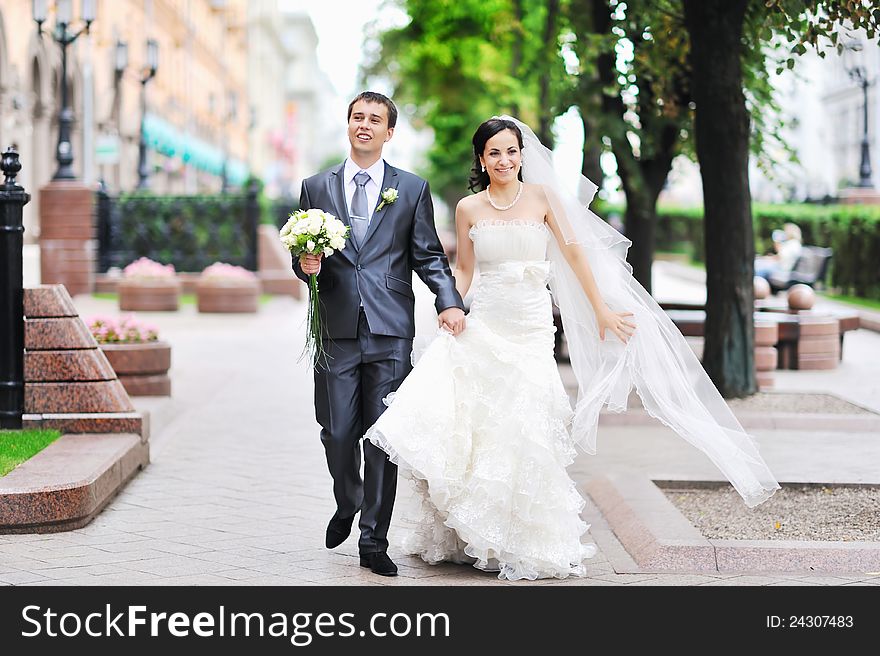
x: 219, y: 108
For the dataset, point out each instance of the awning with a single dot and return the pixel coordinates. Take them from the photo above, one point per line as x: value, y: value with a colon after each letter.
x: 162, y: 137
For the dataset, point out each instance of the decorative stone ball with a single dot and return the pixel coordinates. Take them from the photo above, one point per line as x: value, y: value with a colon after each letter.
x: 762, y: 288
x: 801, y: 297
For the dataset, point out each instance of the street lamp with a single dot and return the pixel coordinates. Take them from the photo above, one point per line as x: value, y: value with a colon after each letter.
x: 859, y: 74
x: 61, y: 35
x: 148, y: 74
x: 231, y: 115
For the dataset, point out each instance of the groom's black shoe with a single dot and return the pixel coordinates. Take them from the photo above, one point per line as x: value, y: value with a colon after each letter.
x: 379, y: 563
x: 338, y: 530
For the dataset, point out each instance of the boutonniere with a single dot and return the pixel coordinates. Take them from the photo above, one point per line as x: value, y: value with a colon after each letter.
x: 388, y: 197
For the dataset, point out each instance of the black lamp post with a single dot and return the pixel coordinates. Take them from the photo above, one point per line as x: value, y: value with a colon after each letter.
x: 859, y: 74
x: 149, y: 73
x: 63, y: 17
x: 231, y: 115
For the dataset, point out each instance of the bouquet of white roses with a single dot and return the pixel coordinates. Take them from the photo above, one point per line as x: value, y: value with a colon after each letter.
x: 314, y: 232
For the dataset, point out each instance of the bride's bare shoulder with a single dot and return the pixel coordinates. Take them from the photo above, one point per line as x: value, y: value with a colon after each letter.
x: 468, y: 205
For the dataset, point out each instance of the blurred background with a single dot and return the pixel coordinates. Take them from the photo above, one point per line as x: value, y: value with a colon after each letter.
x: 187, y: 97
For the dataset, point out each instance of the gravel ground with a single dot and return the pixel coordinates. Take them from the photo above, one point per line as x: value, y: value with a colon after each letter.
x: 800, y: 402
x: 796, y: 512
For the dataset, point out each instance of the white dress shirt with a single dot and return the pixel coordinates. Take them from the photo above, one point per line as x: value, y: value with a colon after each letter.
x: 373, y: 186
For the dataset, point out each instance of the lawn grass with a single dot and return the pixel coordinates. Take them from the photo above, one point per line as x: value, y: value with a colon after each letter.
x: 16, y: 446
x: 854, y: 300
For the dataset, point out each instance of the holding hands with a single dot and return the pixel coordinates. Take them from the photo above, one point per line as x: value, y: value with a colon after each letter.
x: 452, y: 319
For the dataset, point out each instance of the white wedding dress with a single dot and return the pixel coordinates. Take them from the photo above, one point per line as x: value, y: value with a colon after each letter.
x: 482, y: 424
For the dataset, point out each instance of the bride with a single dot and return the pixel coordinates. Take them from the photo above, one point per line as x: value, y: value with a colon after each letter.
x: 483, y: 424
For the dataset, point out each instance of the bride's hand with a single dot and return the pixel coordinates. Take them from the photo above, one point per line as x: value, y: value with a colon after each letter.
x: 616, y: 322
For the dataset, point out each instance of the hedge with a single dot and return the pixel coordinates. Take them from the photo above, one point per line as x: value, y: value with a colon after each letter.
x: 853, y: 231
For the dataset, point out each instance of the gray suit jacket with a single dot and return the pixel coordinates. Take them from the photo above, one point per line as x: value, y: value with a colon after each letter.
x: 401, y: 239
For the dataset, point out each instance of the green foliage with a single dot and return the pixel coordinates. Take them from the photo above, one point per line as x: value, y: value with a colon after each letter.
x: 459, y: 62
x: 191, y: 232
x: 853, y: 231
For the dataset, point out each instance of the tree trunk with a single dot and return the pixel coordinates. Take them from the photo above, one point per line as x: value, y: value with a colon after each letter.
x: 546, y: 113
x: 591, y: 167
x: 639, y: 221
x: 722, y: 140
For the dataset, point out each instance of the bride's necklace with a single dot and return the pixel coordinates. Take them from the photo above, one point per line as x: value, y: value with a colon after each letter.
x: 506, y: 207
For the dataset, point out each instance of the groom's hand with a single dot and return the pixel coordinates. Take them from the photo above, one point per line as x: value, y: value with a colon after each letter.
x: 452, y: 319
x: 310, y: 263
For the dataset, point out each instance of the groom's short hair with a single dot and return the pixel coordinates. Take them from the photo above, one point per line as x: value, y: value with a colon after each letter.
x: 374, y: 97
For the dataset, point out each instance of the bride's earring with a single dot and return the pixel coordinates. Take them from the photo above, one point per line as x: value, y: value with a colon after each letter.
x: 484, y: 168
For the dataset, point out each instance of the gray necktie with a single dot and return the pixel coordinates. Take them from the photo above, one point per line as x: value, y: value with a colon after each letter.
x: 360, y: 215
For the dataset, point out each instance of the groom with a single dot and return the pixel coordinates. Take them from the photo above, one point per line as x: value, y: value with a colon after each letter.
x: 367, y: 315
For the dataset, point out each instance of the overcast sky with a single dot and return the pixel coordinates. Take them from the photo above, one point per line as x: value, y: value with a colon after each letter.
x: 340, y: 28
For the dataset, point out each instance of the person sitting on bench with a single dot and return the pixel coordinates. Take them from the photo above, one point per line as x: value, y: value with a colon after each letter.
x: 788, y: 245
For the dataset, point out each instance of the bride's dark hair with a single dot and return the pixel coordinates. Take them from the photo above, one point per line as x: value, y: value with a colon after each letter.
x: 479, y: 179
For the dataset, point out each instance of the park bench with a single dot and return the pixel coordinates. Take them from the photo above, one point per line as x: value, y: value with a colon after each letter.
x: 810, y: 269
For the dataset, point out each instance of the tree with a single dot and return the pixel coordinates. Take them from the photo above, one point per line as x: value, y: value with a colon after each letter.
x: 635, y: 89
x: 459, y: 63
x: 718, y: 30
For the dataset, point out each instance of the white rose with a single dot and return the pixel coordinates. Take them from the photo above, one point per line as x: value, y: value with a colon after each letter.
x: 338, y: 243
x: 328, y: 252
x: 315, y: 225
x: 310, y: 245
x: 315, y: 213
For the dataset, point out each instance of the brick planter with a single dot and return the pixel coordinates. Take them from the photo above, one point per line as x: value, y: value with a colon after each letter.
x: 149, y: 295
x: 214, y: 295
x: 142, y: 368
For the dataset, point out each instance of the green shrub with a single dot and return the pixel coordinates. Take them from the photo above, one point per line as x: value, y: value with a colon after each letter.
x: 853, y: 231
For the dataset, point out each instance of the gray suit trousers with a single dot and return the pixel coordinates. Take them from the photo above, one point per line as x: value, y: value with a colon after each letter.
x: 348, y: 400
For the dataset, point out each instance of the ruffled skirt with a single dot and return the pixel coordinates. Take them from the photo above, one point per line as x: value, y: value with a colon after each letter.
x: 482, y: 427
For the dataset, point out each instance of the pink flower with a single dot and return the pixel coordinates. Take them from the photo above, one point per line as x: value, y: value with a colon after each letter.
x: 127, y: 329
x: 146, y: 268
x: 221, y: 271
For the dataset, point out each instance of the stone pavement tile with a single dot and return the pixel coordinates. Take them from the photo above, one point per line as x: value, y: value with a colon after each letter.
x: 197, y: 579
x: 17, y: 578
x: 171, y: 566
x: 795, y: 583
x: 267, y: 580
x: 140, y: 545
x: 178, y: 548
x: 239, y: 574
x: 290, y: 570
x: 127, y: 577
x: 823, y: 579
x: 676, y: 580
x: 226, y: 560
x: 17, y: 562
x: 623, y: 578
x: 64, y: 573
x: 97, y: 558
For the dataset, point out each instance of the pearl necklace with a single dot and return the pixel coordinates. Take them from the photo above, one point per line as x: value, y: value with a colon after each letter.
x: 506, y: 207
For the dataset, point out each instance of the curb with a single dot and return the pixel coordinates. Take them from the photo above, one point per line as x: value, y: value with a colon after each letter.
x: 68, y: 483
x: 658, y: 538
x: 763, y: 421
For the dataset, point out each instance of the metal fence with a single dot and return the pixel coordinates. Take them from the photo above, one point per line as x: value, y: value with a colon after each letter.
x: 190, y: 232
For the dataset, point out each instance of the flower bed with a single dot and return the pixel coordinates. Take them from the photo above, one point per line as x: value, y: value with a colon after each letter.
x: 149, y: 286
x: 227, y: 288
x: 141, y: 361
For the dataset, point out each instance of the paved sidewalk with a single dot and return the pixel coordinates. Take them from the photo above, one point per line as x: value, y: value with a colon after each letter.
x: 238, y: 491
